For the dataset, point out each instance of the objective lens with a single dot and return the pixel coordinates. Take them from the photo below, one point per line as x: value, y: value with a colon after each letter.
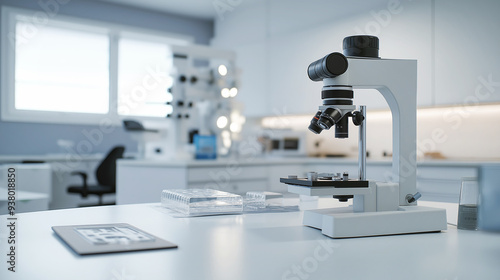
x: 314, y: 127
x: 342, y: 128
x: 329, y: 117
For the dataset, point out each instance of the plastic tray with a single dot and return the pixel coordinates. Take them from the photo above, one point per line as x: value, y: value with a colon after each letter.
x: 199, y: 202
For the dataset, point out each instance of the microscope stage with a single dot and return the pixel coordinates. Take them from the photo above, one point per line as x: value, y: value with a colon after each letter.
x: 325, y: 183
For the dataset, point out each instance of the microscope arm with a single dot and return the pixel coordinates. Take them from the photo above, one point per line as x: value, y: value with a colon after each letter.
x: 396, y: 81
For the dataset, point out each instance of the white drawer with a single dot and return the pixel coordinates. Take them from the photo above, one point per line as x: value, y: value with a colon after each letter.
x: 337, y: 168
x: 230, y: 172
x: 446, y: 173
x: 439, y: 190
x: 378, y: 173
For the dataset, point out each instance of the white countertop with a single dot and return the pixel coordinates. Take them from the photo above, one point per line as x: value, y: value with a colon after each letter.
x: 250, y: 246
x: 248, y: 161
x: 6, y: 159
x: 243, y: 160
x: 22, y: 195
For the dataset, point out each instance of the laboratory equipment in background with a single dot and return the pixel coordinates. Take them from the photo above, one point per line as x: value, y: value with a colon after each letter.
x: 379, y: 208
x: 467, y: 204
x: 205, y: 146
x: 205, y: 82
x: 283, y: 143
x: 151, y: 137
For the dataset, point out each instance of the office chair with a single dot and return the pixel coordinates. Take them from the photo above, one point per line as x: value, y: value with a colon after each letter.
x: 105, y: 175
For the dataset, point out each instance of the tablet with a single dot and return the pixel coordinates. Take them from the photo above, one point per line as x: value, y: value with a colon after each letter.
x: 109, y: 238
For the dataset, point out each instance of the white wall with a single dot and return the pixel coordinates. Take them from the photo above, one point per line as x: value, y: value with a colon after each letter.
x: 466, y: 50
x: 276, y: 40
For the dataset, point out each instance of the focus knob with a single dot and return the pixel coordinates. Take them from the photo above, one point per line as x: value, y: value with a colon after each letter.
x: 361, y: 46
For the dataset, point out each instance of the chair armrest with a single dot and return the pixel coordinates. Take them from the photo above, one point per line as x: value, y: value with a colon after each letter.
x: 84, y: 178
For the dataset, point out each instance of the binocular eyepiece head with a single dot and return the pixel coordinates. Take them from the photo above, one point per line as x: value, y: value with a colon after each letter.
x: 338, y: 99
x: 330, y: 66
x: 336, y: 64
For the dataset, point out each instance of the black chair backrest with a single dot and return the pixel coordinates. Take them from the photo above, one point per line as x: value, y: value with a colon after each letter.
x: 106, y: 172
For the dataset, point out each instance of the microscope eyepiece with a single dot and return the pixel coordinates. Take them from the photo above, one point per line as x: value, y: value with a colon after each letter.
x: 330, y: 66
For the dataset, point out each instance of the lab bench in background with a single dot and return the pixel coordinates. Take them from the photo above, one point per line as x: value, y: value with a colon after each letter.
x: 440, y: 182
x: 437, y: 180
x: 140, y: 181
x: 29, y: 183
x: 53, y: 176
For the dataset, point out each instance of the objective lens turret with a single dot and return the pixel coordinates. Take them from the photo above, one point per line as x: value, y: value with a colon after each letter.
x: 329, y: 117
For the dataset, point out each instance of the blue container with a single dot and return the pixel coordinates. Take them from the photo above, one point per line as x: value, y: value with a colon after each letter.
x: 205, y: 146
x: 489, y: 201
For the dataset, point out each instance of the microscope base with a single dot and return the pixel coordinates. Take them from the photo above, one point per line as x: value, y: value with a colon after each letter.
x: 344, y: 223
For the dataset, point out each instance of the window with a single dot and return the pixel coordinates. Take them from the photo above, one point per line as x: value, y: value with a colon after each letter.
x: 70, y: 70
x: 143, y: 78
x: 62, y: 70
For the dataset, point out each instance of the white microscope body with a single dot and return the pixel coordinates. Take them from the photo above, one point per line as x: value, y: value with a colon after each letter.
x: 379, y: 208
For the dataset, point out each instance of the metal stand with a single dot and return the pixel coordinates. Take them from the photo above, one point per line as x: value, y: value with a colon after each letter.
x: 362, y: 145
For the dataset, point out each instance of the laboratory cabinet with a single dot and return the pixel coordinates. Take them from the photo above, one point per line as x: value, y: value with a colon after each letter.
x: 374, y: 171
x: 442, y: 183
x: 141, y: 181
x: 436, y: 180
x: 466, y: 79
x: 282, y: 170
x: 230, y: 177
x: 455, y: 56
x: 30, y: 184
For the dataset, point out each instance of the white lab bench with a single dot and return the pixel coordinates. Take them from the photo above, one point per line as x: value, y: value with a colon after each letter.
x: 249, y: 246
x: 25, y: 201
x: 33, y: 186
x: 141, y: 181
x: 54, y: 176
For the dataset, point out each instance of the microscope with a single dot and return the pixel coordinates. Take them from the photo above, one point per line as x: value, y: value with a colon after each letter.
x: 379, y: 208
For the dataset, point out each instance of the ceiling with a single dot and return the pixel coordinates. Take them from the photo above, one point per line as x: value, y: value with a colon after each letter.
x: 206, y: 9
x: 196, y: 8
